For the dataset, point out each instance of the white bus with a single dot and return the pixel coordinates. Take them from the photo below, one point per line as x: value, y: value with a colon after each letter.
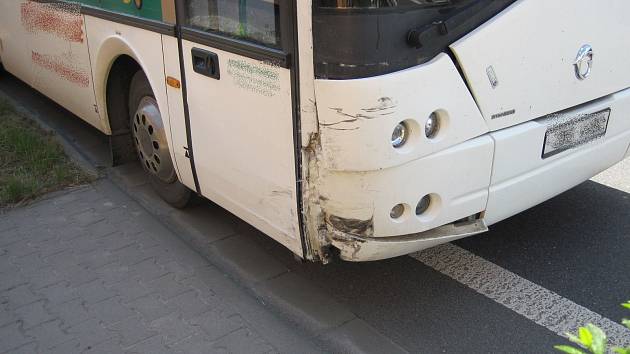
x: 363, y: 129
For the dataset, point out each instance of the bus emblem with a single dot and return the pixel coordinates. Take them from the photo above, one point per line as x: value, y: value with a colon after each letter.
x: 584, y: 62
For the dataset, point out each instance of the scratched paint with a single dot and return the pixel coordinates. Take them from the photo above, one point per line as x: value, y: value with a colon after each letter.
x: 385, y: 106
x: 63, y: 20
x: 63, y: 67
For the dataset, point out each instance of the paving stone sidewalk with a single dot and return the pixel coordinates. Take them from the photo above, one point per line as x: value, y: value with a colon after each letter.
x: 89, y: 271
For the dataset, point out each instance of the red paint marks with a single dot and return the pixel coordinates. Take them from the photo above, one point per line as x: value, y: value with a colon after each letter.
x: 59, y: 19
x: 61, y: 68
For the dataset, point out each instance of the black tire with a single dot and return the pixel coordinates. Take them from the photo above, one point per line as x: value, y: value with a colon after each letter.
x: 174, y: 193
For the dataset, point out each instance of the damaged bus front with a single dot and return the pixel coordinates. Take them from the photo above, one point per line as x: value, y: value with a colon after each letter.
x: 367, y: 128
x: 438, y: 118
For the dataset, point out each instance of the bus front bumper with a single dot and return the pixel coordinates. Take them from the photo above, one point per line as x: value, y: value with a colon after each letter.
x: 516, y: 178
x: 354, y: 248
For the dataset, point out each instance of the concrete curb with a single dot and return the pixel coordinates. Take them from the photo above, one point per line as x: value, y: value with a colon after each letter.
x: 267, y: 279
x: 242, y: 259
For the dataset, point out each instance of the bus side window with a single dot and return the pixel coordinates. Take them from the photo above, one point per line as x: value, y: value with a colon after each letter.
x: 252, y: 20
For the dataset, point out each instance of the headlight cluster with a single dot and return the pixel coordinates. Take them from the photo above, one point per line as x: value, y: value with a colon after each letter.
x: 402, y: 130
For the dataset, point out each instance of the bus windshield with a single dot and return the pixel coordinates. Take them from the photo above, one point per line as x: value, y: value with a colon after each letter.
x: 363, y: 38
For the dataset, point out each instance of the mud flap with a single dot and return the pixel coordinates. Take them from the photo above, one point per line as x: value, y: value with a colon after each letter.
x: 121, y: 148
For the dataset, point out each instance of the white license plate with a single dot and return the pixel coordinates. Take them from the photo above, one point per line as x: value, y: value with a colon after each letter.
x: 565, y: 134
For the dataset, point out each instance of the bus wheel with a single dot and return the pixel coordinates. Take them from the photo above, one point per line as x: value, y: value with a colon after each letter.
x: 149, y: 138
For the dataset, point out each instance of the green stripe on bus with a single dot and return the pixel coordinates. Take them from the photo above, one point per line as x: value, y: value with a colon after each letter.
x: 150, y: 9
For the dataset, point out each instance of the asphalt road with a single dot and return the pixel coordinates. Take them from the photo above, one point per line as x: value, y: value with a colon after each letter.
x: 575, y: 247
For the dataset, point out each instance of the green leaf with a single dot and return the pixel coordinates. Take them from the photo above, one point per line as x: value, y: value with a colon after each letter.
x: 573, y: 338
x: 568, y: 349
x: 622, y: 350
x: 626, y: 322
x: 626, y: 305
x: 599, y: 339
x: 586, y: 338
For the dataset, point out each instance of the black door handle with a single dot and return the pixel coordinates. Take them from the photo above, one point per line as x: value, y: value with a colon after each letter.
x: 206, y: 63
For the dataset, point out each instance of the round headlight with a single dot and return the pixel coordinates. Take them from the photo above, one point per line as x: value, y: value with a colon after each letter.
x: 423, y: 205
x: 432, y: 126
x: 397, y: 211
x: 399, y: 135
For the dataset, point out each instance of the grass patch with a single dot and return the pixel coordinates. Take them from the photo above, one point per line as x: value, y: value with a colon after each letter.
x: 31, y: 161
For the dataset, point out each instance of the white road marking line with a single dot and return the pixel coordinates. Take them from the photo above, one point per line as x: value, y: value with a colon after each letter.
x: 520, y: 295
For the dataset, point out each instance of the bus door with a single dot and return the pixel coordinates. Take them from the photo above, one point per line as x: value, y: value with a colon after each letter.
x: 58, y: 55
x: 238, y: 84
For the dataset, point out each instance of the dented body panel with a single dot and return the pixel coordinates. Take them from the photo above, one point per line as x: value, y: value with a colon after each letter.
x: 356, y: 117
x: 457, y: 180
x: 353, y: 248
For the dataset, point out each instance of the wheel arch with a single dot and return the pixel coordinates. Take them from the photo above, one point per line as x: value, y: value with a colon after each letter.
x: 114, y: 65
x: 119, y: 52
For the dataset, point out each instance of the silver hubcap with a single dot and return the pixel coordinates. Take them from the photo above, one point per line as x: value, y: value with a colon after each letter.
x: 150, y: 140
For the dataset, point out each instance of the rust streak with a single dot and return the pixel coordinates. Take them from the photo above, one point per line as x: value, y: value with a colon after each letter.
x: 61, y: 20
x: 58, y: 66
